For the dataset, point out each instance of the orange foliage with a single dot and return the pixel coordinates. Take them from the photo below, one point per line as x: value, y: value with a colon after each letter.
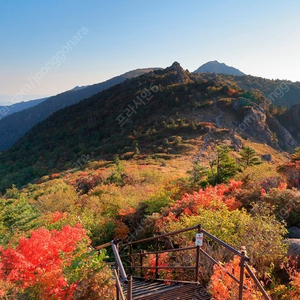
x: 211, y: 197
x: 292, y: 171
x: 121, y: 230
x: 56, y: 216
x: 55, y: 175
x: 223, y: 287
x: 39, y: 261
x: 126, y: 211
x: 282, y: 186
x: 294, y: 275
x: 163, y: 261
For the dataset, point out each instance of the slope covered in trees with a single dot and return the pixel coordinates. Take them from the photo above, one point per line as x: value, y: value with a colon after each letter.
x: 16, y: 125
x: 149, y: 114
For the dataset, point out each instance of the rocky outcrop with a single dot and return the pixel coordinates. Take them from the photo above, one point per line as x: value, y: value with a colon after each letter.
x: 181, y: 76
x: 255, y: 124
x: 294, y: 233
x: 235, y: 141
x: 285, y: 139
x: 291, y: 119
x: 267, y: 157
x: 293, y: 247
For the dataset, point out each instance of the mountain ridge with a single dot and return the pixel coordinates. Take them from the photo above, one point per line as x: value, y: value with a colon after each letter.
x: 6, y: 110
x: 218, y: 68
x: 16, y: 125
x: 177, y: 106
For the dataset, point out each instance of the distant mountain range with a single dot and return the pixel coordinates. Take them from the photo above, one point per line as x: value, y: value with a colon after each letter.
x: 21, y: 117
x: 6, y: 110
x: 14, y: 126
x: 158, y: 108
x: 218, y: 68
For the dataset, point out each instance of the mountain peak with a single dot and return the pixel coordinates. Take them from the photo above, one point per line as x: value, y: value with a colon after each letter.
x: 176, y: 65
x: 181, y: 76
x: 218, y: 68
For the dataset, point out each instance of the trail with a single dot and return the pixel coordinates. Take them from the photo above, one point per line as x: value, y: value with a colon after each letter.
x: 220, y: 115
x: 207, y: 136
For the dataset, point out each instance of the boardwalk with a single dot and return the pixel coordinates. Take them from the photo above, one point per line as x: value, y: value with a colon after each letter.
x: 157, y: 290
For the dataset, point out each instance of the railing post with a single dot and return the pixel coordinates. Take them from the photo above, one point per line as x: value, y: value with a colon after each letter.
x: 129, y: 288
x: 130, y: 258
x: 197, y: 257
x: 118, y: 274
x: 242, y: 272
x: 156, y: 260
x: 141, y: 264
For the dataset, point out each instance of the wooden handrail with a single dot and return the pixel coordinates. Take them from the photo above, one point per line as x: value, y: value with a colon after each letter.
x: 236, y: 252
x: 262, y: 290
x: 161, y: 235
x: 118, y: 284
x: 102, y: 246
x: 119, y: 262
x: 242, y: 254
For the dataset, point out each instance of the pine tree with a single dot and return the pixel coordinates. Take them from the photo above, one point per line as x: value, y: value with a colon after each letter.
x: 198, y: 174
x: 223, y: 167
x: 249, y: 157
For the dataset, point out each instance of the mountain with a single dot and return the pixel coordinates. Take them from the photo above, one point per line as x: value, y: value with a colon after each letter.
x: 169, y: 111
x: 218, y: 68
x: 278, y: 92
x: 10, y: 109
x: 16, y: 125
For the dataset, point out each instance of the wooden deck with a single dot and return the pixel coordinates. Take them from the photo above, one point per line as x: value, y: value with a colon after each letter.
x: 158, y: 290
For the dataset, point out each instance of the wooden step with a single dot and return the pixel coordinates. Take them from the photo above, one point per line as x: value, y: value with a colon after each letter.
x: 157, y: 290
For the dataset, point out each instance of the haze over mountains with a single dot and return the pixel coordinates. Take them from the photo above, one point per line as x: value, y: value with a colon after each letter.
x: 6, y: 110
x: 16, y: 125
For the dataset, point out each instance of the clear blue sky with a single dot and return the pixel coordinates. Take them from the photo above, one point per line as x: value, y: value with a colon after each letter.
x: 260, y: 37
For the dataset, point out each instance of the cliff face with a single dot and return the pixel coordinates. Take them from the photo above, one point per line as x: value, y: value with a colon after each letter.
x: 256, y: 119
x: 291, y: 120
x: 258, y: 123
x: 285, y: 139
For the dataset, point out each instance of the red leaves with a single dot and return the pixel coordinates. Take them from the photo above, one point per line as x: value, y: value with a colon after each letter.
x: 211, y: 197
x: 39, y: 260
x: 57, y: 216
x: 223, y: 287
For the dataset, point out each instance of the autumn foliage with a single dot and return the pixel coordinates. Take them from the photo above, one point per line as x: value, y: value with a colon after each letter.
x: 39, y: 261
x: 223, y: 287
x: 211, y: 197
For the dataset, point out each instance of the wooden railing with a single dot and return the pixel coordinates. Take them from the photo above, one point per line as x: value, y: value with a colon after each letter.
x: 199, y: 234
x: 119, y: 271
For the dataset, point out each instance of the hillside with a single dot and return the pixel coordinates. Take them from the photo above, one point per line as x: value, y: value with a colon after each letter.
x: 181, y: 112
x: 10, y: 109
x: 16, y: 125
x: 218, y: 68
x: 278, y: 92
x: 196, y: 150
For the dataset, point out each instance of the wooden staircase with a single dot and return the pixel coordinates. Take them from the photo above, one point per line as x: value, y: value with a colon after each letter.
x: 138, y: 288
x: 158, y: 290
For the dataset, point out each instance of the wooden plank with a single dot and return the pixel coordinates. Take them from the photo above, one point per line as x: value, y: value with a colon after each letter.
x: 154, y: 290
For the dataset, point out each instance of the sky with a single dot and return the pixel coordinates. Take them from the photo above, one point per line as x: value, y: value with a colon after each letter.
x: 48, y: 47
